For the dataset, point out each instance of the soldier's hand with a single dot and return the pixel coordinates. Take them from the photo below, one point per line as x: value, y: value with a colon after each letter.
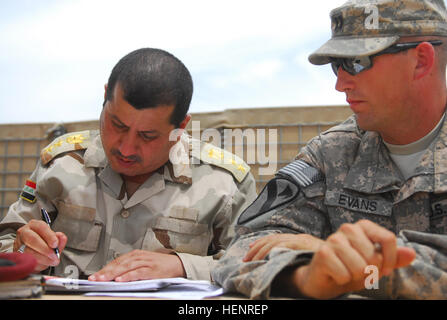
x: 338, y: 266
x: 141, y: 265
x: 40, y: 241
x: 261, y: 247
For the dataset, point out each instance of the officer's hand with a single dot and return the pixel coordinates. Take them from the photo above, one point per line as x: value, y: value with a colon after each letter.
x: 40, y: 241
x: 338, y: 266
x: 141, y: 265
x: 261, y: 247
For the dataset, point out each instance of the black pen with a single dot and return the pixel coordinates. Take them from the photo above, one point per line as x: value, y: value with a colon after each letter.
x: 47, y: 219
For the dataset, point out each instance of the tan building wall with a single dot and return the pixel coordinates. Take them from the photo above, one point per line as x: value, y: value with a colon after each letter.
x: 20, y: 144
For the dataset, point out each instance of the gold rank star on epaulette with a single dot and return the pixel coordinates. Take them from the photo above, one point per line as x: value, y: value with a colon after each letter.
x: 224, y: 159
x: 67, y: 142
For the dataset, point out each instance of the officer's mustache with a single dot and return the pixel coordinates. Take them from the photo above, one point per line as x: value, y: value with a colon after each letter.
x: 134, y: 158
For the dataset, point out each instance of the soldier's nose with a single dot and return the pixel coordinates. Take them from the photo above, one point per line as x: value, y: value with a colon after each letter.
x: 345, y: 81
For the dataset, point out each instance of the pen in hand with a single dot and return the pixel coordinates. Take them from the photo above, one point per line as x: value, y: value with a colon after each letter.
x: 47, y: 219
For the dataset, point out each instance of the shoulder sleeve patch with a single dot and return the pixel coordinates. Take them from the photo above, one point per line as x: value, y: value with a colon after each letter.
x: 68, y: 142
x: 277, y: 192
x: 224, y: 159
x: 283, y: 189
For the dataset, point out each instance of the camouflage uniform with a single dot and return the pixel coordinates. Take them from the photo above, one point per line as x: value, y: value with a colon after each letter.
x: 361, y: 181
x: 186, y: 207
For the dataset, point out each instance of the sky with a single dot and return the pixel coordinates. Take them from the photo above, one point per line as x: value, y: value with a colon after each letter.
x: 56, y: 55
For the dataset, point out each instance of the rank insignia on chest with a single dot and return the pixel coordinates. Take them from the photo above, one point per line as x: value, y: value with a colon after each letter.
x: 28, y: 191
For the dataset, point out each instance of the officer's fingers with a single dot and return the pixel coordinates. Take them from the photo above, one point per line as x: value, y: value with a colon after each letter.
x: 43, y: 261
x: 387, y: 241
x: 130, y: 270
x: 115, y: 268
x: 153, y: 266
x: 405, y: 256
x: 34, y: 241
x: 141, y: 273
x: 109, y: 272
x: 45, y: 232
x: 126, y: 271
x: 62, y: 241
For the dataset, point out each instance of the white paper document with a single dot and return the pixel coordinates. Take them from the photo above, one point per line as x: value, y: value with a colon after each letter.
x: 167, y: 288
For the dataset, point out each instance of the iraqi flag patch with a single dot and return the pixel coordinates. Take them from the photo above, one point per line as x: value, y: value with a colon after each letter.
x: 28, y: 191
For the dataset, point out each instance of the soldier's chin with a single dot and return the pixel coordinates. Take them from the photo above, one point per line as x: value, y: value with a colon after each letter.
x: 364, y: 122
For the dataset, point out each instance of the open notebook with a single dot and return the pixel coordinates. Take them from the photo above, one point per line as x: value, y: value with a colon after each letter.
x: 166, y: 288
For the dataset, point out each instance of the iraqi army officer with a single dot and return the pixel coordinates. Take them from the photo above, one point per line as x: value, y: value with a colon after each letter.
x: 365, y: 200
x: 130, y: 202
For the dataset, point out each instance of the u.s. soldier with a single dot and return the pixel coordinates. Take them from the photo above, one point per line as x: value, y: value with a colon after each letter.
x: 371, y: 192
x: 132, y: 201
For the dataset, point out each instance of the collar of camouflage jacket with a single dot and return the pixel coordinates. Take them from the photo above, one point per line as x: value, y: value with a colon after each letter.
x: 373, y: 170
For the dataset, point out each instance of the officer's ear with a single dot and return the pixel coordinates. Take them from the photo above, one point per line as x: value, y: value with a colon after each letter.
x: 177, y: 132
x: 105, y: 92
x: 425, y: 60
x: 185, y: 122
x: 105, y: 96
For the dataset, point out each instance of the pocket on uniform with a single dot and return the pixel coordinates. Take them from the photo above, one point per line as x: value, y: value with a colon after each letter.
x: 79, y: 225
x: 182, y: 235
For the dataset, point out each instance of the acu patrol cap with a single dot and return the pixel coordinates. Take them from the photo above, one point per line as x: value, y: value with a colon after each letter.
x: 365, y: 27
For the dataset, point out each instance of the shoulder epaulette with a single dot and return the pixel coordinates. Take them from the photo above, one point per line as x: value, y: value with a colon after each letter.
x: 68, y: 142
x: 224, y: 159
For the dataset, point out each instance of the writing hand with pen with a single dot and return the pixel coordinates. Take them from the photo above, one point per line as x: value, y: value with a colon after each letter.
x: 37, y: 239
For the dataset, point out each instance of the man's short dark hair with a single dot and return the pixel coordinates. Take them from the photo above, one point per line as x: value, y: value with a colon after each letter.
x: 150, y: 78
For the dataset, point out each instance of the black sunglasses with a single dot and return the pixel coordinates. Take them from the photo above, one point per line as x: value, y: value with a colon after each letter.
x: 356, y: 65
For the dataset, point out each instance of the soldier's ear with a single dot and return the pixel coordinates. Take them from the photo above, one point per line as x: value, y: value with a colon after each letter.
x: 425, y: 60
